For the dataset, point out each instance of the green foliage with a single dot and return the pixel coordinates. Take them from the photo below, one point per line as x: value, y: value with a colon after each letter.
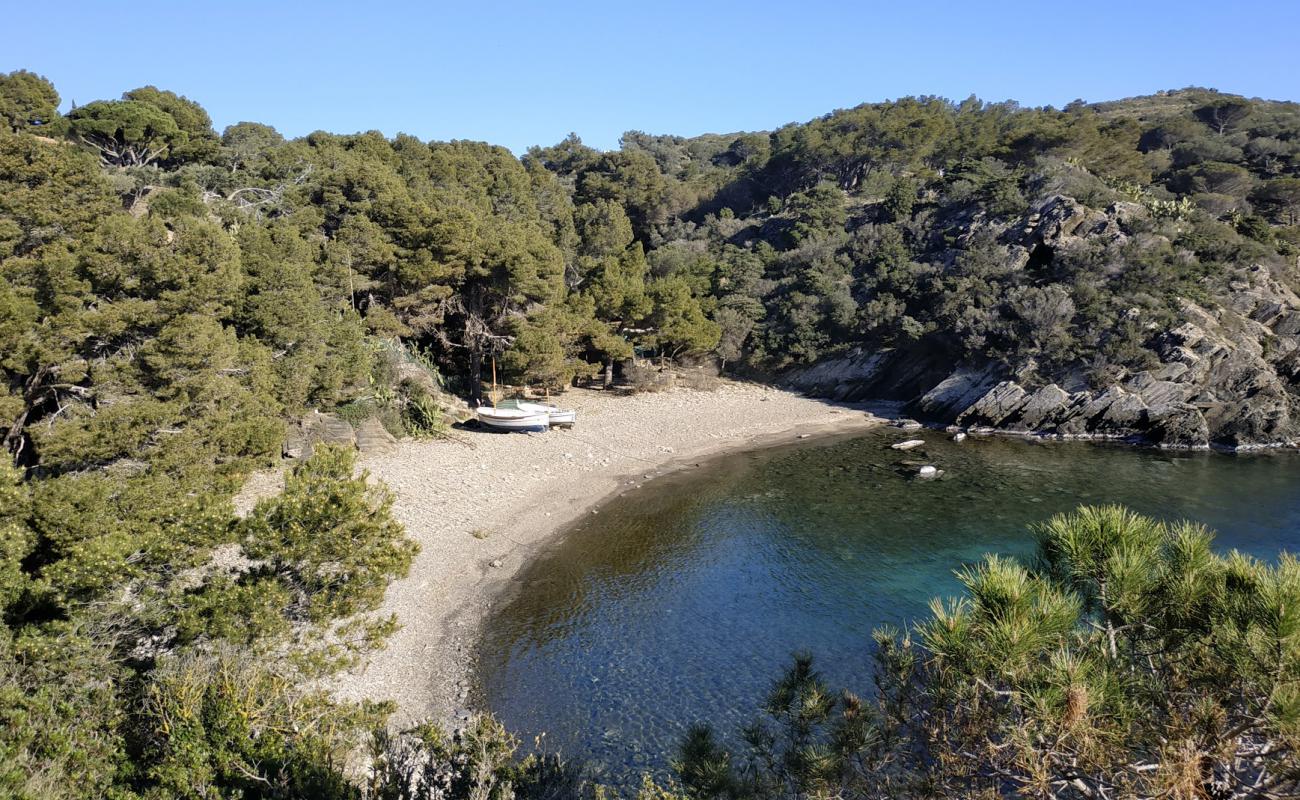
x: 1224, y: 113
x: 329, y: 537
x: 200, y: 142
x: 817, y: 212
x: 126, y: 133
x: 1281, y: 197
x: 900, y: 201
x: 248, y: 146
x: 423, y: 417
x: 479, y: 762
x: 799, y: 748
x: 61, y: 708
x: 225, y: 725
x: 548, y: 347
x: 29, y: 102
x: 680, y: 325
x: 51, y: 191
x: 1131, y: 660
x: 16, y: 539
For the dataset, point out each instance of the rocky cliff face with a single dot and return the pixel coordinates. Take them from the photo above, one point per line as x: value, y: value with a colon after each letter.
x: 1229, y: 371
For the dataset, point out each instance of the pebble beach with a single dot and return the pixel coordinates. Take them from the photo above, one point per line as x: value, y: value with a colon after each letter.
x: 481, y: 504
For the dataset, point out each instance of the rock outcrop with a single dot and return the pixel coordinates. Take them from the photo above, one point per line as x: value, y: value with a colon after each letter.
x: 1228, y: 372
x: 373, y: 437
x: 316, y: 428
x: 1230, y: 399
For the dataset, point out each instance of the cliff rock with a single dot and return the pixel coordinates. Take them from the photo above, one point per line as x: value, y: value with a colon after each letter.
x: 1228, y: 372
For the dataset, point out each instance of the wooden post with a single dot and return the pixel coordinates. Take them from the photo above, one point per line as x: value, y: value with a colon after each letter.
x: 494, y: 381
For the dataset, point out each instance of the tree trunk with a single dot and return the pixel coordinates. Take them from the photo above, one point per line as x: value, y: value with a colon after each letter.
x: 476, y: 370
x: 609, y: 372
x: 14, y: 439
x: 34, y: 394
x: 475, y: 339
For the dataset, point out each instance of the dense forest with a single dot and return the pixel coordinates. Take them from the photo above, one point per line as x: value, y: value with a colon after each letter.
x: 172, y: 298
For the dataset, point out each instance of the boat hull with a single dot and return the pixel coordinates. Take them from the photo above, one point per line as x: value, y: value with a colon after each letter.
x: 556, y: 415
x: 565, y: 418
x: 512, y: 420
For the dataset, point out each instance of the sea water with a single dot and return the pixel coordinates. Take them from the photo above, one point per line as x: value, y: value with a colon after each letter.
x: 682, y: 600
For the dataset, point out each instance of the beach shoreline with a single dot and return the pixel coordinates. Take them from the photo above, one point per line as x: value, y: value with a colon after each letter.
x: 483, y: 505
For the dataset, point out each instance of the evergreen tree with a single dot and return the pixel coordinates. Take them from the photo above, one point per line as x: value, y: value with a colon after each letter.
x: 29, y: 103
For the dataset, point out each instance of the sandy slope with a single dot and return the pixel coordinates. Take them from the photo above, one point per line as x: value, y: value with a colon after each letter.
x: 480, y: 510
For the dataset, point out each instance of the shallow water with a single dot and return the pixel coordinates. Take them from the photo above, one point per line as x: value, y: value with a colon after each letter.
x: 682, y: 601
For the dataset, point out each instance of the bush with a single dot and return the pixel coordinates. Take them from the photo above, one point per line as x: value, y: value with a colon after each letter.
x: 330, y: 537
x: 701, y: 378
x: 421, y: 416
x: 357, y: 411
x: 1128, y: 659
x: 60, y: 712
x: 230, y: 725
x: 478, y: 762
x: 644, y: 376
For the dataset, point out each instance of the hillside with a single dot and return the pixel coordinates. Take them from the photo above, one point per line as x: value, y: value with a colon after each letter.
x: 172, y: 298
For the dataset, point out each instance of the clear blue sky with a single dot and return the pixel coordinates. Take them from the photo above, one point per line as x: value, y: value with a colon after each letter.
x: 524, y: 73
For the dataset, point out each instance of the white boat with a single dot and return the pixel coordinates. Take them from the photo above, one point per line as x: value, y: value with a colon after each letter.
x: 513, y: 419
x: 555, y: 414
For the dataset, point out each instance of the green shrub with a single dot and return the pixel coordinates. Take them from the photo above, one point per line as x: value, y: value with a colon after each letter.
x: 61, y: 708
x: 422, y: 416
x: 1127, y: 658
x: 479, y: 762
x: 330, y: 537
x: 230, y: 724
x: 356, y: 412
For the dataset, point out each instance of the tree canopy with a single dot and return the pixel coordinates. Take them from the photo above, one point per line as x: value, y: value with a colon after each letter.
x: 28, y: 102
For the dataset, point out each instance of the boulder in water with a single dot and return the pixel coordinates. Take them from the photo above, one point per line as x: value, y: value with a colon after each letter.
x: 908, y: 445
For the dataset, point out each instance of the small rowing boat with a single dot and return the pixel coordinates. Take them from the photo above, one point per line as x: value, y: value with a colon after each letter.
x: 555, y: 414
x: 513, y: 419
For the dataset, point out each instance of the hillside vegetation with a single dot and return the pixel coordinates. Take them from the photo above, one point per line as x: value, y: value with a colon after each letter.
x: 171, y: 297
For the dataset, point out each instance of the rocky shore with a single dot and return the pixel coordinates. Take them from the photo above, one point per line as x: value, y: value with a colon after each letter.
x: 482, y: 504
x: 1228, y: 374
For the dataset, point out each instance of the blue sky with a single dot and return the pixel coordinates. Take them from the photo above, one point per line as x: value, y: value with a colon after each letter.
x: 524, y: 73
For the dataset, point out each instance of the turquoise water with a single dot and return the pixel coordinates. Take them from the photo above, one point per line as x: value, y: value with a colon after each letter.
x: 682, y: 600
